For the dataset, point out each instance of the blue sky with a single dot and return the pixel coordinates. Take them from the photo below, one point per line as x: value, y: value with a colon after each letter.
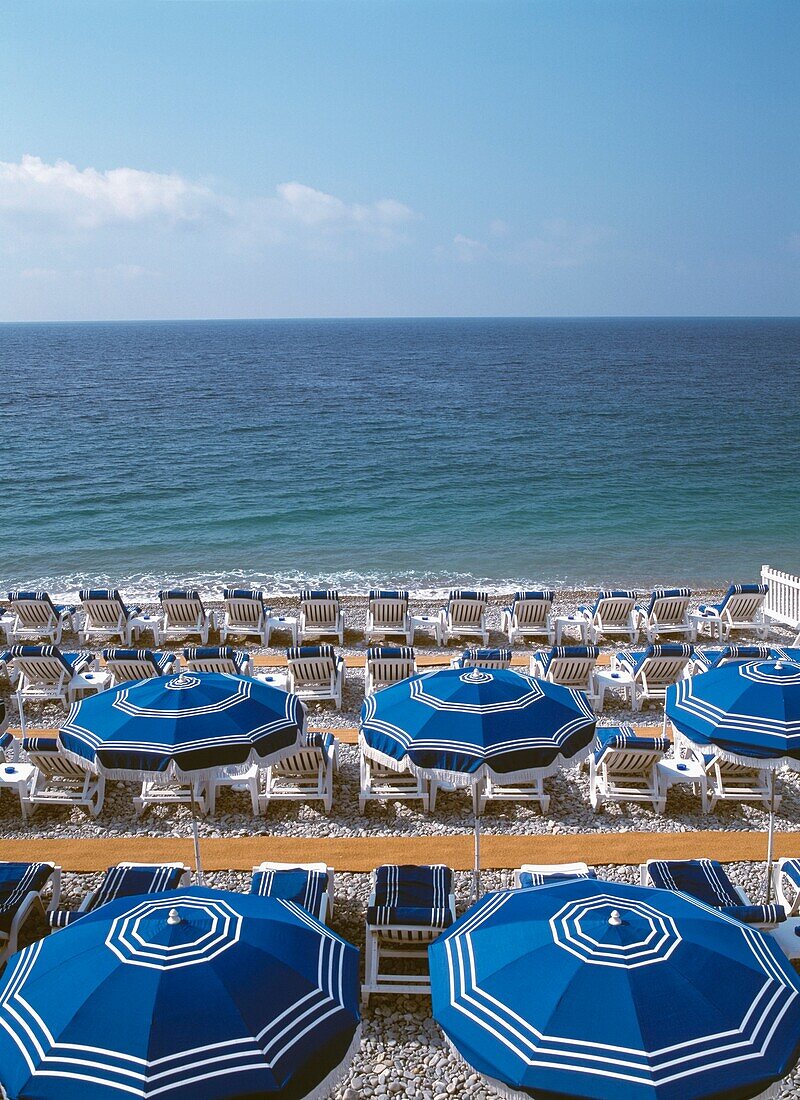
x: 332, y: 158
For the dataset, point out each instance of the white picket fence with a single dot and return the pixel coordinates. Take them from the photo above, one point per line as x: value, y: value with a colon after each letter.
x: 782, y: 604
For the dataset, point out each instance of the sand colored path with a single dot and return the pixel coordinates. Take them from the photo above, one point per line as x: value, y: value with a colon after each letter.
x: 361, y: 854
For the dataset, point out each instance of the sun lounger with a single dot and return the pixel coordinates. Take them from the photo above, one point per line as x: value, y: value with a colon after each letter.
x: 106, y: 615
x: 387, y: 665
x: 786, y: 886
x: 483, y: 658
x: 166, y: 791
x: 706, y: 880
x: 377, y: 783
x: 59, y: 781
x: 309, y: 885
x: 36, y: 616
x: 666, y: 612
x: 138, y: 664
x: 217, y: 658
x: 408, y: 908
x: 315, y: 673
x: 184, y: 614
x: 46, y: 675
x: 624, y: 768
x: 387, y: 615
x: 528, y: 616
x: 727, y: 781
x: 706, y: 659
x: 305, y: 776
x: 242, y: 778
x: 740, y: 606
x: 245, y: 614
x: 540, y: 874
x: 571, y: 666
x: 652, y: 670
x: 321, y: 614
x: 21, y: 889
x: 125, y: 880
x: 464, y: 615
x: 612, y: 613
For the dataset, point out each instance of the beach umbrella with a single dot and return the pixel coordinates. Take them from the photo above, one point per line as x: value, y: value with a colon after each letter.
x: 747, y: 713
x: 461, y: 727
x: 597, y: 990
x: 184, y: 728
x: 194, y: 994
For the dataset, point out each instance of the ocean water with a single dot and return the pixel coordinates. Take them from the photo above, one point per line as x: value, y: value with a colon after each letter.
x: 413, y: 452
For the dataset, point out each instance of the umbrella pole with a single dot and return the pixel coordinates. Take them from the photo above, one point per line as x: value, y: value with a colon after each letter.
x: 198, y: 865
x: 476, y: 866
x: 770, y: 836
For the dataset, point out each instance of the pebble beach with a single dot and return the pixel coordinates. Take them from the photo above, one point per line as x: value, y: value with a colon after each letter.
x: 403, y: 1053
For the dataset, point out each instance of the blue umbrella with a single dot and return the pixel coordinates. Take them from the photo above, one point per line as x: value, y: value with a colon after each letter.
x: 461, y: 727
x: 748, y: 713
x: 196, y: 994
x: 183, y: 727
x: 599, y: 990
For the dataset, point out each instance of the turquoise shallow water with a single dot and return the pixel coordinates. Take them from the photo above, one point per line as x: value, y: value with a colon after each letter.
x: 420, y: 452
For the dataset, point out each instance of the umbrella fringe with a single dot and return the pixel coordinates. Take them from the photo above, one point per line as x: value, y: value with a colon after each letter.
x: 771, y: 764
x: 174, y: 774
x: 327, y: 1085
x: 466, y: 779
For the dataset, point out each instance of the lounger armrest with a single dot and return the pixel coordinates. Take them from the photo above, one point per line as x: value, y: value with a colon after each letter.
x: 756, y: 914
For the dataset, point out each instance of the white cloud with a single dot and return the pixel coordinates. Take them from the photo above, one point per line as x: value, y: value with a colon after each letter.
x: 467, y: 249
x: 316, y: 208
x: 87, y: 198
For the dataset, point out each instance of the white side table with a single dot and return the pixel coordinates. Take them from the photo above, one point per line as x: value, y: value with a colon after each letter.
x: 88, y: 682
x: 606, y: 678
x: 283, y: 622
x: 567, y: 622
x: 714, y: 623
x: 433, y: 623
x: 690, y: 772
x: 274, y: 679
x: 151, y: 623
x: 18, y: 777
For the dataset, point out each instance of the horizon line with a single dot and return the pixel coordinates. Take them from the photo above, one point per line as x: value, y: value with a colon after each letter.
x: 416, y: 317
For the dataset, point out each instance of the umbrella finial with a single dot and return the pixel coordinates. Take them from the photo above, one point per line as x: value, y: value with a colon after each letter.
x: 615, y: 918
x: 174, y: 917
x: 778, y: 665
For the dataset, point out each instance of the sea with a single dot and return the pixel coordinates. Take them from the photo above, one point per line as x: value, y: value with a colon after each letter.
x: 413, y: 453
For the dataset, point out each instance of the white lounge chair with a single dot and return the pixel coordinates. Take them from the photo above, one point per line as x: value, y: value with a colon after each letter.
x: 245, y: 614
x: 387, y: 665
x: 45, y: 675
x: 321, y: 614
x: 624, y: 768
x: 21, y: 895
x: 706, y: 880
x: 531, y: 790
x: 483, y: 658
x: 309, y: 885
x: 217, y: 658
x: 572, y: 666
x: 59, y: 781
x: 666, y: 612
x: 725, y: 780
x: 652, y: 670
x: 706, y: 659
x: 786, y: 886
x: 408, y: 908
x: 106, y: 615
x: 612, y: 613
x: 184, y: 614
x: 243, y: 778
x: 306, y: 775
x: 739, y: 609
x: 36, y: 616
x: 164, y: 791
x: 138, y: 664
x: 464, y: 615
x: 315, y: 673
x: 529, y: 616
x: 540, y: 874
x: 387, y: 615
x: 379, y: 783
x: 125, y: 880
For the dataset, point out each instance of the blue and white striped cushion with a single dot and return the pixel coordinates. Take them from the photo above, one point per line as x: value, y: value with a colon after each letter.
x: 663, y: 594
x: 40, y: 744
x: 72, y: 662
x: 298, y: 884
x: 389, y: 652
x: 544, y: 594
x: 387, y: 594
x: 410, y: 894
x: 39, y: 596
x: 529, y: 878
x: 17, y: 880
x: 319, y: 594
x: 609, y: 594
x: 704, y: 879
x: 243, y: 594
x: 634, y: 660
x: 159, y: 661
x: 734, y: 590
x: 298, y: 652
x: 576, y: 651
x: 6, y: 738
x: 110, y: 594
x: 178, y: 594
x: 755, y: 914
x: 318, y: 739
x: 791, y: 868
x: 612, y: 738
x: 467, y: 594
x: 216, y: 653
